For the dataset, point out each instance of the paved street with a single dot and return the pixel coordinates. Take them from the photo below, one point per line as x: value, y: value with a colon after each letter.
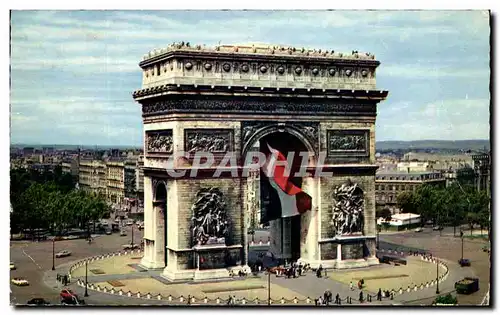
x: 33, y: 259
x: 449, y: 247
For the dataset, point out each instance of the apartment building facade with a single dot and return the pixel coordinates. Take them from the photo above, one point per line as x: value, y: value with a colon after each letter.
x: 388, y: 185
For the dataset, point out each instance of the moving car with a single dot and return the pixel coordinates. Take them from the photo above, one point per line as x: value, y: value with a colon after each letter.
x: 419, y: 229
x: 464, y: 262
x: 108, y: 232
x: 437, y: 228
x: 37, y: 301
x: 20, y: 282
x: 12, y: 266
x: 63, y: 253
x: 123, y: 233
x: 70, y: 298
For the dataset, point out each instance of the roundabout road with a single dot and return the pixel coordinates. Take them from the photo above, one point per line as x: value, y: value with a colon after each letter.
x: 32, y: 259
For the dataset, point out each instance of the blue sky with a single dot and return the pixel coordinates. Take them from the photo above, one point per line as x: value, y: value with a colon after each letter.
x: 73, y: 72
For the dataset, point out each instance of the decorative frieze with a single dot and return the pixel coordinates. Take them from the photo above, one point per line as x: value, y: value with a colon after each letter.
x: 159, y: 141
x: 256, y: 106
x: 348, y: 142
x: 208, y: 140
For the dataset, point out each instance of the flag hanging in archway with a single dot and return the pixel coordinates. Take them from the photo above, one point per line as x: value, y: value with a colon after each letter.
x: 291, y: 200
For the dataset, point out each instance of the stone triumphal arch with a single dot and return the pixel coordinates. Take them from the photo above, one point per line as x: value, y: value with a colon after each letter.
x: 233, y: 99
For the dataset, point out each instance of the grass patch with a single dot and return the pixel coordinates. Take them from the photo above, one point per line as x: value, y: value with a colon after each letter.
x: 382, y: 277
x: 116, y: 283
x: 97, y: 271
x: 238, y: 288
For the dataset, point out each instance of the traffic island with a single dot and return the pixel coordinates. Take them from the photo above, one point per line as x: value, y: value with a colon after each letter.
x: 417, y: 273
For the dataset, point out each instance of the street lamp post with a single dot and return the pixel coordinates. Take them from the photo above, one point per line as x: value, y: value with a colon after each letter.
x: 133, y: 223
x: 462, y: 237
x: 378, y: 236
x: 269, y: 288
x: 54, y: 253
x: 86, y: 278
x: 437, y: 276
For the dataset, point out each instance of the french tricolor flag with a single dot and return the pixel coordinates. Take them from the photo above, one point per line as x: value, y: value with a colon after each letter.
x: 293, y: 201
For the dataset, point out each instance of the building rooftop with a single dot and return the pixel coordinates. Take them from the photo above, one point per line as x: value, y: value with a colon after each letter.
x: 405, y: 216
x: 258, y: 49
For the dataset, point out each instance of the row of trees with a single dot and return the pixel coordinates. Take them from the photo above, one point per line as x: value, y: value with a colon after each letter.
x: 448, y: 206
x: 48, y: 200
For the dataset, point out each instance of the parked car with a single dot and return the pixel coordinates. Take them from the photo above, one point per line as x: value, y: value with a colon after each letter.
x: 108, y: 232
x: 20, y: 282
x: 12, y: 266
x: 419, y: 229
x: 63, y: 253
x: 123, y: 233
x: 130, y: 246
x: 37, y: 301
x: 437, y: 228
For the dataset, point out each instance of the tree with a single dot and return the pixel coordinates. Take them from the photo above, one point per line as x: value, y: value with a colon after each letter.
x: 466, y: 176
x: 446, y: 299
x: 406, y: 202
x: 384, y: 213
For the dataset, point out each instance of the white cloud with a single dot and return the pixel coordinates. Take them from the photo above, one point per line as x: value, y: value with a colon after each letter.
x: 85, y: 64
x: 423, y: 71
x: 444, y: 119
x: 74, y: 72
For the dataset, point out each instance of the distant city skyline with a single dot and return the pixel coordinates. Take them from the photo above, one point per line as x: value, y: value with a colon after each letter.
x: 73, y: 72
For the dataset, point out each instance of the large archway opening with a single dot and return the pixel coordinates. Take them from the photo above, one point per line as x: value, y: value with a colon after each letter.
x: 284, y: 225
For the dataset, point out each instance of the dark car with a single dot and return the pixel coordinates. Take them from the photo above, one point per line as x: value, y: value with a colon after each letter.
x: 464, y: 262
x: 37, y: 301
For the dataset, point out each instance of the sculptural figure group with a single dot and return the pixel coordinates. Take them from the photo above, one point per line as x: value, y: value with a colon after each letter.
x: 348, y: 209
x: 210, y: 225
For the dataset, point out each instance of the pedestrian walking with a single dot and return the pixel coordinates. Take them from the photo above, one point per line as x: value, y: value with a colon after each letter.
x: 361, y: 298
x: 379, y: 294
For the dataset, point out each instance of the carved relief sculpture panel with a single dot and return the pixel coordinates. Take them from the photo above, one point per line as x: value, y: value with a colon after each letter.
x: 251, y: 129
x: 159, y: 141
x: 209, y: 220
x: 348, y: 209
x: 348, y: 143
x: 208, y: 140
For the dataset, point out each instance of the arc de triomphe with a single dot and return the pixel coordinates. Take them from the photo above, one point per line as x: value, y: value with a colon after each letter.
x: 227, y: 99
